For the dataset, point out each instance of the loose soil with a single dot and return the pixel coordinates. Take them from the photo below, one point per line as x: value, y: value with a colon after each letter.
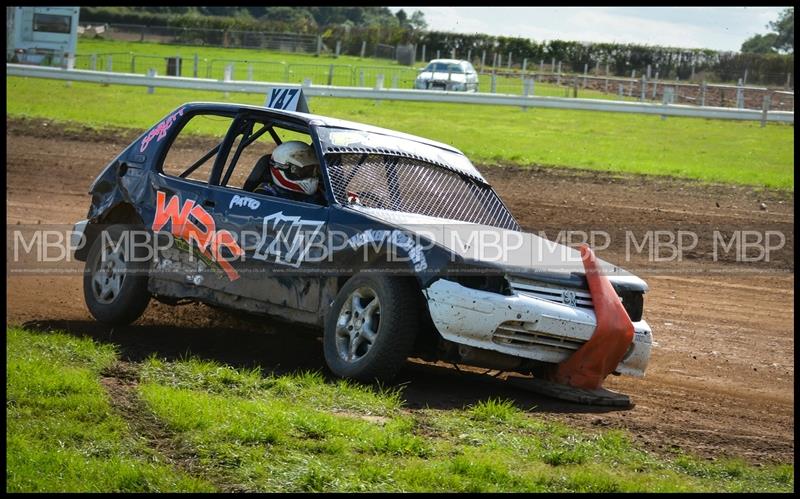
x: 720, y: 381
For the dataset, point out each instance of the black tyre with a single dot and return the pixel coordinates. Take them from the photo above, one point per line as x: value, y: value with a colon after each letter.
x: 371, y: 327
x: 115, y: 283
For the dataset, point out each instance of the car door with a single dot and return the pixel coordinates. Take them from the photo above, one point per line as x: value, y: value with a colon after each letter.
x: 281, y: 240
x: 197, y: 252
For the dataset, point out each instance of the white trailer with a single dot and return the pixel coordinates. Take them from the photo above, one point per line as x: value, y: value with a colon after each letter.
x: 41, y: 35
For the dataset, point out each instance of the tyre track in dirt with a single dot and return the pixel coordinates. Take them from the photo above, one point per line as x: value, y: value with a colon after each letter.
x: 719, y: 383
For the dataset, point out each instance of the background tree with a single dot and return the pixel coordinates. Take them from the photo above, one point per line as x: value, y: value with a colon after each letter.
x: 782, y: 39
x: 784, y: 26
x: 760, y: 44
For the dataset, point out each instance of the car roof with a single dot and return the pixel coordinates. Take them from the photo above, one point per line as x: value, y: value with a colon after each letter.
x: 319, y: 120
x: 449, y: 61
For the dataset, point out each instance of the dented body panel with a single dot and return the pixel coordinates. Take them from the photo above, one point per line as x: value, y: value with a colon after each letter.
x: 255, y: 253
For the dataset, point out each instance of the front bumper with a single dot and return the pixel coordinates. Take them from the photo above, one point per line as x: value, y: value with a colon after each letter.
x: 523, y: 326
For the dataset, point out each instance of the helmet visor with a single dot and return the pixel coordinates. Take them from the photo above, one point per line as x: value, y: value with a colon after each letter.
x: 295, y: 172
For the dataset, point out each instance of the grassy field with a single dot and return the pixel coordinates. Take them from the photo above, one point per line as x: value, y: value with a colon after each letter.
x: 708, y: 150
x: 221, y: 428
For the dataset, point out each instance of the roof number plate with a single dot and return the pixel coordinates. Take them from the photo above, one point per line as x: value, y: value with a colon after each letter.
x: 286, y: 99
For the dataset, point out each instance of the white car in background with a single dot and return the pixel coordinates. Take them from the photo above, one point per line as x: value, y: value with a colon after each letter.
x: 448, y: 74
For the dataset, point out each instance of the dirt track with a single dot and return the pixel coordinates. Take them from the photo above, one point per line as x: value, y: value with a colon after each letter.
x: 719, y: 383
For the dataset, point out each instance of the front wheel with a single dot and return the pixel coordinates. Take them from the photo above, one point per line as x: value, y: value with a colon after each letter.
x: 115, y: 279
x: 371, y: 327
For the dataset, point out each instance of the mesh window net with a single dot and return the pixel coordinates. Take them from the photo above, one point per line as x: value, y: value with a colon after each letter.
x: 409, y: 185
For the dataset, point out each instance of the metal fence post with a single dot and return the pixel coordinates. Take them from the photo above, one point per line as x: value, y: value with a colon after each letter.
x: 196, y: 66
x: 703, y: 87
x: 338, y: 47
x: 621, y: 90
x: 744, y: 80
x: 575, y: 86
x: 765, y: 109
x: 558, y: 75
x: 452, y: 53
x: 527, y: 84
x: 740, y: 95
x: 494, y: 61
x: 394, y: 80
x: 655, y: 88
x: 423, y: 54
x: 788, y: 80
x: 438, y: 53
x: 606, y: 69
x: 524, y: 65
x: 361, y: 78
x: 667, y: 99
x: 93, y: 62
x: 499, y: 60
x: 509, y: 60
x: 553, y: 65
x: 483, y: 60
x: 330, y: 75
x: 469, y: 55
x: 541, y: 68
x: 151, y: 72
x: 606, y: 88
x: 494, y: 82
x: 363, y: 48
x: 630, y: 89
x: 319, y: 45
x: 643, y: 90
x: 585, y: 72
x: 649, y: 68
x: 379, y: 82
x: 228, y: 73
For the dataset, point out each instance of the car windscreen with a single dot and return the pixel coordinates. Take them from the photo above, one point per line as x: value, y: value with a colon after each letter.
x: 443, y: 67
x: 397, y: 183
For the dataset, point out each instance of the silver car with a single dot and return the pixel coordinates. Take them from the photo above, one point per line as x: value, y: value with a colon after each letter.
x: 448, y: 74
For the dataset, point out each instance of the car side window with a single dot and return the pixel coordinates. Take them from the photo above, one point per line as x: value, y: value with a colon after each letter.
x: 193, y: 151
x: 247, y: 165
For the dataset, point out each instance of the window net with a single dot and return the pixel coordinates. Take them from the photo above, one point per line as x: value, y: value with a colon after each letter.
x: 413, y: 186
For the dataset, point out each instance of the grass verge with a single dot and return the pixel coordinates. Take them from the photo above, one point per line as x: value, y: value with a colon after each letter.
x: 707, y: 150
x: 301, y: 432
x: 61, y: 432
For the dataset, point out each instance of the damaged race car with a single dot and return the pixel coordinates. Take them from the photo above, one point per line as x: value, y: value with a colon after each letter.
x: 393, y: 245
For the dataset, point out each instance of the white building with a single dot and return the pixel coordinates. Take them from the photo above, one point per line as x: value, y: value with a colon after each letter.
x: 41, y: 35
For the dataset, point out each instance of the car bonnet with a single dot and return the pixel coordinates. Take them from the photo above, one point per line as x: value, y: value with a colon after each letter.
x: 514, y: 251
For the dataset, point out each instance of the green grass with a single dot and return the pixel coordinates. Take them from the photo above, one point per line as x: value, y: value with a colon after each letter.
x: 61, y: 433
x: 301, y: 432
x: 708, y: 150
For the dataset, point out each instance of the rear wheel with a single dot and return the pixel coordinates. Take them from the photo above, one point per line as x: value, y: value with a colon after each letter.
x: 371, y: 327
x: 115, y: 279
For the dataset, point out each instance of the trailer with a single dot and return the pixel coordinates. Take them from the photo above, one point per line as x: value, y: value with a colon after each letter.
x: 41, y: 35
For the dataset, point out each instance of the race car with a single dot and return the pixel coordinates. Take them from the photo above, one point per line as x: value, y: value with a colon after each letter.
x: 393, y: 245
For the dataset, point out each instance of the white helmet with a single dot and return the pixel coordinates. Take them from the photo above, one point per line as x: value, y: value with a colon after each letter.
x: 295, y: 167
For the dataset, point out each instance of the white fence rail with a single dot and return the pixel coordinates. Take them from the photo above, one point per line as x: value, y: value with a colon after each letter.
x: 401, y: 94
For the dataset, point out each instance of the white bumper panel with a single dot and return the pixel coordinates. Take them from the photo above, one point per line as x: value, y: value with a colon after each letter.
x: 523, y: 326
